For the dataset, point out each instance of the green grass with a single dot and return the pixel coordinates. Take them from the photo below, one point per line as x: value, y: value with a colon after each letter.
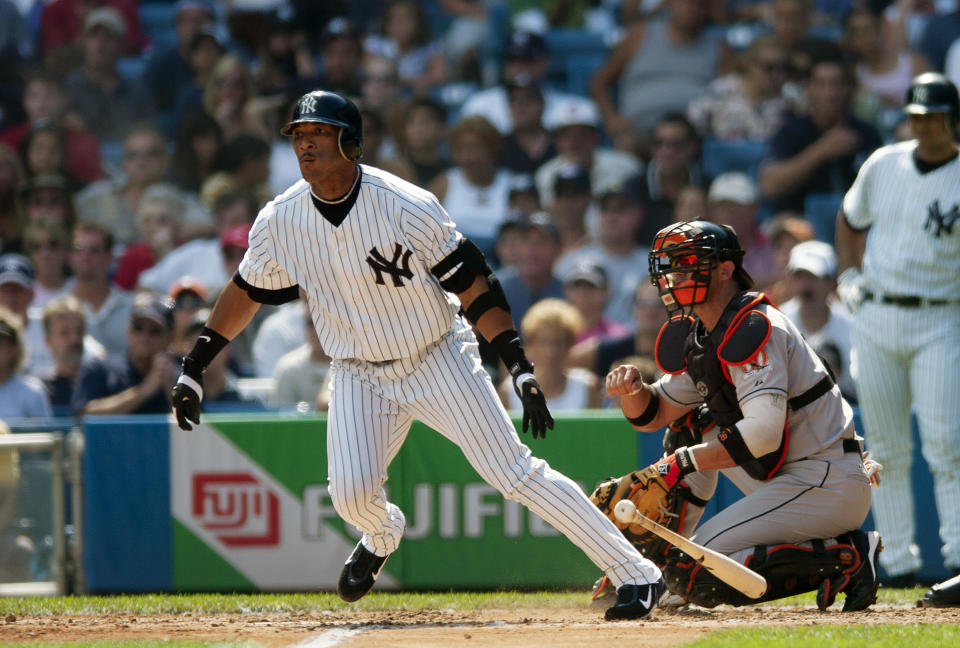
x: 927, y: 636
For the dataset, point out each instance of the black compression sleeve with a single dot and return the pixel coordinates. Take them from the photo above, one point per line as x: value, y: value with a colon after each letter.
x: 209, y: 344
x: 508, y: 347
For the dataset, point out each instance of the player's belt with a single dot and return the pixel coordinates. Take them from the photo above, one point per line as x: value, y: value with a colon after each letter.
x: 851, y: 445
x: 906, y: 301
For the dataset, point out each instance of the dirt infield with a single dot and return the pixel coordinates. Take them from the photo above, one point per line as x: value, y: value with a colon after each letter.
x: 581, y: 627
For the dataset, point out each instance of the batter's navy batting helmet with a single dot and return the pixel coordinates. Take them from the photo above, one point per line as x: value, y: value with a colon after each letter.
x: 931, y: 92
x: 334, y: 109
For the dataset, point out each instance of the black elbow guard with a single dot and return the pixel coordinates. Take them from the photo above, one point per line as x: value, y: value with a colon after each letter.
x: 457, y: 272
x: 265, y: 295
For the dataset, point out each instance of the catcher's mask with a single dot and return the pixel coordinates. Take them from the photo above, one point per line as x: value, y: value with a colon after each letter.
x: 684, y: 254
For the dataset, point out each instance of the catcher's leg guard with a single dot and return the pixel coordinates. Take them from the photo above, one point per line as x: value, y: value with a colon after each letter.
x: 789, y: 569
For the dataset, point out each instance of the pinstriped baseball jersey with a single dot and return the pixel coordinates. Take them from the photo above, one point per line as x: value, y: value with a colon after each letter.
x: 368, y: 279
x: 914, y: 243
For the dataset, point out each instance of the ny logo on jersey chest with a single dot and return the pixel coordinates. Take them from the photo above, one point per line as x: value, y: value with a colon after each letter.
x: 939, y: 222
x: 398, y: 267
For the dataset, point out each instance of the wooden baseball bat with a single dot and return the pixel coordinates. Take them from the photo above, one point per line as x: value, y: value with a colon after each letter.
x: 726, y: 569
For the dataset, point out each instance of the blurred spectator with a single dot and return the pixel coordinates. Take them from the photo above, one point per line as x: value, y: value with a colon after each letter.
x: 207, y: 259
x: 529, y: 144
x: 572, y: 197
x: 107, y: 103
x: 198, y: 142
x: 615, y: 249
x: 114, y: 203
x: 674, y: 165
x: 283, y: 331
x: 405, y: 37
x: 188, y: 297
x: 168, y: 71
x: 548, y: 330
x: 46, y: 244
x: 508, y: 247
x: 64, y: 330
x: 784, y: 230
x: 137, y: 381
x: 12, y: 216
x: 16, y: 548
x: 21, y: 396
x: 16, y: 285
x: 690, y: 205
x: 463, y: 39
x: 820, y: 318
x: 373, y: 149
x: 733, y: 200
x: 380, y: 88
x: 474, y: 191
x: 203, y: 53
x: 242, y: 164
x: 657, y: 68
x: 532, y: 278
x: 523, y: 195
x: 44, y: 152
x: 63, y: 24
x: 161, y: 230
x: 45, y: 101
x: 790, y: 22
x: 423, y: 138
x: 45, y: 199
x: 341, y: 54
x: 526, y: 56
x: 575, y: 124
x: 937, y: 37
x: 600, y: 354
x: 284, y: 62
x: 819, y: 152
x: 747, y: 104
x: 585, y: 286
x: 229, y: 97
x: 219, y: 383
x: 107, y: 307
x: 17, y: 37
x: 300, y: 376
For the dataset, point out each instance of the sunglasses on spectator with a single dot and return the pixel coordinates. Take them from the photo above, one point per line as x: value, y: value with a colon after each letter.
x: 188, y: 301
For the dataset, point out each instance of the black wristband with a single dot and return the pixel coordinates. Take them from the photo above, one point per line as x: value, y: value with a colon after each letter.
x: 649, y: 413
x: 209, y: 344
x: 508, y: 347
x: 685, y: 461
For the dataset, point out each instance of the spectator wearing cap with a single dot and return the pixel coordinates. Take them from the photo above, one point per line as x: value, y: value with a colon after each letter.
x: 616, y: 250
x: 21, y: 396
x: 784, y: 230
x: 674, y: 165
x: 733, y: 200
x: 571, y: 202
x: 107, y: 307
x: 586, y: 287
x: 137, y: 381
x: 300, y: 376
x: 820, y: 318
x: 575, y: 124
x: 64, y: 331
x: 284, y: 62
x: 507, y: 249
x: 169, y: 70
x: 526, y: 56
x: 657, y: 68
x: 107, y: 103
x: 45, y: 101
x: 405, y: 37
x: 474, y: 191
x: 160, y: 226
x: 529, y: 144
x: 422, y: 140
x: 207, y: 259
x: 16, y: 284
x: 523, y: 196
x: 341, y: 51
x: 532, y: 278
x: 187, y: 296
x: 63, y: 23
x: 45, y: 199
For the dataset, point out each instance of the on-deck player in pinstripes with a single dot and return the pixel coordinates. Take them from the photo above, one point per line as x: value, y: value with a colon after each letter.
x: 385, y: 273
x: 898, y: 246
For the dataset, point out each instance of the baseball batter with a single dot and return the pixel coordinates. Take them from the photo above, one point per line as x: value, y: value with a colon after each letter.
x: 783, y: 433
x: 898, y: 247
x: 385, y: 273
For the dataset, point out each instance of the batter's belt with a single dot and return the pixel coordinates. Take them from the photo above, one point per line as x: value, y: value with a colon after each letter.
x: 906, y: 301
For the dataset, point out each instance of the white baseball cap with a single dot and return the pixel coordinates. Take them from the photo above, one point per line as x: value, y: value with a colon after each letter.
x: 572, y: 111
x: 733, y: 186
x: 816, y: 257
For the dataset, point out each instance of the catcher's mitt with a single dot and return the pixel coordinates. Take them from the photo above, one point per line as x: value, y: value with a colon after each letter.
x: 647, y: 490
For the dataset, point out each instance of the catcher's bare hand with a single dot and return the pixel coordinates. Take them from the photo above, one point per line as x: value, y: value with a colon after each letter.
x: 624, y: 381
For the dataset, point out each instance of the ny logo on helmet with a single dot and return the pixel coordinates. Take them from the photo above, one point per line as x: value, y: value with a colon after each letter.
x: 308, y: 105
x: 921, y: 94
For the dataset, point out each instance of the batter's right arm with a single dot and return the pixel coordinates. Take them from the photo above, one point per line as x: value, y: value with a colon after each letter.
x: 850, y: 244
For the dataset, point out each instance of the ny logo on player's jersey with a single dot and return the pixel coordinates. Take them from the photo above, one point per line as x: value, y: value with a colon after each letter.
x: 937, y: 222
x: 397, y: 267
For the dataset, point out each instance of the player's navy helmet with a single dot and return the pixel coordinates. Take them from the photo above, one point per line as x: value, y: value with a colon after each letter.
x: 932, y: 92
x: 334, y: 109
x: 682, y: 256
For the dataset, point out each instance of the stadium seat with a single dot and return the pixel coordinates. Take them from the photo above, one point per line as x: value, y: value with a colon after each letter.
x: 821, y: 210
x: 574, y: 50
x: 734, y: 155
x: 579, y: 71
x: 131, y: 67
x: 157, y: 19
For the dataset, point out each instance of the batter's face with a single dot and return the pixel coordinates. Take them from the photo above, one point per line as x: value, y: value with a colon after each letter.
x: 317, y: 148
x: 931, y: 130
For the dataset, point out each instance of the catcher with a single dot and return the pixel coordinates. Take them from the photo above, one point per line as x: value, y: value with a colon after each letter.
x: 748, y: 397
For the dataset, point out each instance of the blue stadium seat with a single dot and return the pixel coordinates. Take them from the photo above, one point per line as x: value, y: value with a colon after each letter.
x: 157, y: 19
x: 821, y: 210
x: 733, y: 155
x: 579, y: 71
x: 131, y: 67
x: 574, y: 50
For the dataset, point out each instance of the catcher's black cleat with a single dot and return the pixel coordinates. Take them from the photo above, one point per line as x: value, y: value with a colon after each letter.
x: 862, y: 590
x: 945, y: 594
x: 636, y: 601
x: 359, y: 574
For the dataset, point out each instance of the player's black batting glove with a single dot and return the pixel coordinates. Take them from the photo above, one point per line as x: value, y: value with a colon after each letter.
x: 187, y: 394
x: 536, y: 416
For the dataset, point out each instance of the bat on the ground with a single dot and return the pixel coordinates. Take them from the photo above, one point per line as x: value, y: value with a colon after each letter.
x: 726, y: 569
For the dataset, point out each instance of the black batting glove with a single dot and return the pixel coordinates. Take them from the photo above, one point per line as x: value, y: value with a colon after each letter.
x: 536, y: 416
x: 187, y: 394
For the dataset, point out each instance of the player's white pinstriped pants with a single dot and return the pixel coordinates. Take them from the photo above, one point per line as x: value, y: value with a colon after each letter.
x: 446, y: 388
x: 904, y: 356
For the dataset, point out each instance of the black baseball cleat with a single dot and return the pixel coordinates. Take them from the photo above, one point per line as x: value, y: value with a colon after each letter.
x: 945, y: 594
x: 359, y: 574
x: 862, y: 590
x: 636, y: 601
